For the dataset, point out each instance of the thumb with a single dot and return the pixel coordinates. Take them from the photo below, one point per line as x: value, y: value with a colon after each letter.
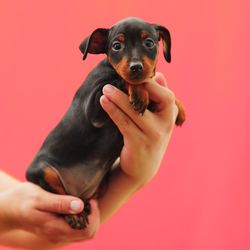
x: 62, y: 204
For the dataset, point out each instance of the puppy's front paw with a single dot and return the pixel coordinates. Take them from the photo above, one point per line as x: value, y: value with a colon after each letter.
x: 138, y: 104
x: 139, y: 99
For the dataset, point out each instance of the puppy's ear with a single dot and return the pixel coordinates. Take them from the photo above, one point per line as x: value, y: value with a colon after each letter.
x: 166, y: 41
x: 96, y: 43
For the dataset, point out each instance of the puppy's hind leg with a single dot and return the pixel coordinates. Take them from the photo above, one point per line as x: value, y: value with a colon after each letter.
x: 50, y: 179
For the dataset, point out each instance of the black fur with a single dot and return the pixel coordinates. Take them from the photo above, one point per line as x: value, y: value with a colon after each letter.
x: 85, y: 144
x: 85, y: 135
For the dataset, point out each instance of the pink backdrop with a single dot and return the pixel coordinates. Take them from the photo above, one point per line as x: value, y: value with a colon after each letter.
x: 201, y: 197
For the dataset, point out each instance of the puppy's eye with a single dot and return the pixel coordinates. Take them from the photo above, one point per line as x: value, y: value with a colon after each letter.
x: 116, y: 46
x: 149, y: 43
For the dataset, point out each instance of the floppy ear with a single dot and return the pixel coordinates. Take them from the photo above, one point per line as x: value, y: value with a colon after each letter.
x: 166, y: 41
x: 96, y: 43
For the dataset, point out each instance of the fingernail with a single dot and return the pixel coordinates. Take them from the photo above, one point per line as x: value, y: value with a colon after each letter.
x: 104, y: 99
x: 108, y: 89
x: 76, y: 206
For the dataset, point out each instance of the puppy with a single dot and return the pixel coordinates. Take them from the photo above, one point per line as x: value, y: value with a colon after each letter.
x: 79, y: 152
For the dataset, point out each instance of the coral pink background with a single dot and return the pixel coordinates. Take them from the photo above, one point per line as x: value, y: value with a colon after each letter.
x: 201, y: 197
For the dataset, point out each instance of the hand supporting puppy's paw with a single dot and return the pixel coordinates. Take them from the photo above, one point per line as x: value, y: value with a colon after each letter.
x: 79, y: 221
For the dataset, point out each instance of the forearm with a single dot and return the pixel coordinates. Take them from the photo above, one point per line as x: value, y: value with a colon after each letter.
x: 120, y: 188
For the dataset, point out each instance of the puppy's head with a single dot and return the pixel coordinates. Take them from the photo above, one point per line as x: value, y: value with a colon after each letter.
x: 131, y: 47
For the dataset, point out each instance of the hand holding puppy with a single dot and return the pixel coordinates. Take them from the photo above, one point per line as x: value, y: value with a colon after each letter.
x: 145, y: 137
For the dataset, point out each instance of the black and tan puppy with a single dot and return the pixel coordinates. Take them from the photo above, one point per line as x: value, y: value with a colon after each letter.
x: 78, y: 154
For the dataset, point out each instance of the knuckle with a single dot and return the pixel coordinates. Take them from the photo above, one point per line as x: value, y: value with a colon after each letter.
x: 170, y: 126
x: 125, y: 124
x: 36, y: 198
x: 30, y: 203
x: 115, y: 95
x: 122, y: 121
x: 125, y: 121
x: 60, y: 205
x: 25, y: 209
x: 170, y: 110
x: 170, y: 96
x: 31, y: 186
x: 170, y: 122
x: 158, y: 136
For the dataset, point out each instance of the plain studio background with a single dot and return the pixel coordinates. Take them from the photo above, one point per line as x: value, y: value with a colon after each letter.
x: 200, y: 199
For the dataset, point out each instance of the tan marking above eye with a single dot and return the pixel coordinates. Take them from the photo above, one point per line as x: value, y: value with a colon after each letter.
x: 144, y: 35
x: 120, y: 38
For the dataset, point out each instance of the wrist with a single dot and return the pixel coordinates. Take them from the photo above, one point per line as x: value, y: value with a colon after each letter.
x: 10, y: 207
x: 133, y: 182
x: 139, y: 178
x: 6, y: 220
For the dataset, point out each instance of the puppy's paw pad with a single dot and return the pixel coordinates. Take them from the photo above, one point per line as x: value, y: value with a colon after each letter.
x: 77, y: 221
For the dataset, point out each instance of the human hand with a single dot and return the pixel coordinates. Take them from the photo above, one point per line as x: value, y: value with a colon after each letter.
x: 145, y: 137
x: 28, y: 207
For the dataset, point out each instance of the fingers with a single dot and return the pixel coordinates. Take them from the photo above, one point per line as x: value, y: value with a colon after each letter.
x: 91, y: 229
x: 56, y: 229
x: 121, y: 119
x: 37, y: 211
x: 62, y: 204
x: 116, y: 104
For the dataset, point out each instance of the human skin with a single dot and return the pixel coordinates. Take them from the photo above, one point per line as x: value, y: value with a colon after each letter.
x: 29, y: 214
x: 145, y: 140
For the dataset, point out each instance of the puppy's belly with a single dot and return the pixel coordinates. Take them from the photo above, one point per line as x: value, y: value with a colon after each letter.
x: 82, y: 180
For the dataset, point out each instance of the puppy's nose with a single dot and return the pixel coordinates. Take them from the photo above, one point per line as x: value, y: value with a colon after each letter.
x: 136, y: 66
